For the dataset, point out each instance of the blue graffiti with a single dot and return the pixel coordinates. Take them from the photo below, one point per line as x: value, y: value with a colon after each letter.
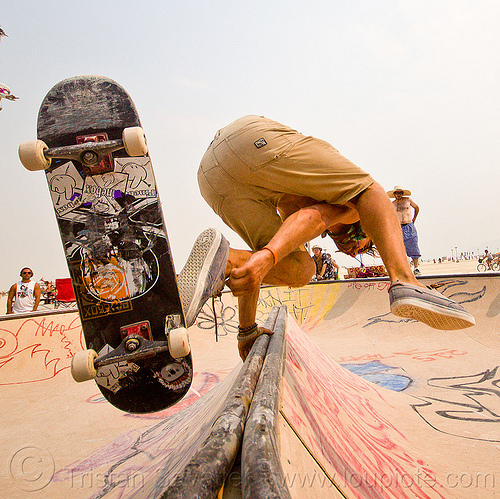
x: 378, y: 373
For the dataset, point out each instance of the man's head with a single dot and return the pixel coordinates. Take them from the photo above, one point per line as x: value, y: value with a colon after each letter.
x: 26, y: 273
x: 354, y: 241
x: 111, y: 224
x: 355, y: 247
x: 317, y: 250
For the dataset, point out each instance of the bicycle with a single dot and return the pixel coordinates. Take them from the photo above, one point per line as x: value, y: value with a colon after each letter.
x: 484, y: 267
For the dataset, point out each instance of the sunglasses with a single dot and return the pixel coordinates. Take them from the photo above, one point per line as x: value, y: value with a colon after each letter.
x: 29, y: 273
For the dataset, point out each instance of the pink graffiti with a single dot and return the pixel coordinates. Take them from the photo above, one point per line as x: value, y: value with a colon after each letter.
x: 335, y: 413
x: 431, y: 355
x: 415, y: 354
x: 38, y: 349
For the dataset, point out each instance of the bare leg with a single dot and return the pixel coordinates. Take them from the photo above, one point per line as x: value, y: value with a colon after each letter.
x: 247, y: 271
x: 295, y: 270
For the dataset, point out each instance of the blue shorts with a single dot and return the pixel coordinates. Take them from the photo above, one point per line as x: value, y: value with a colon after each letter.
x: 410, y: 238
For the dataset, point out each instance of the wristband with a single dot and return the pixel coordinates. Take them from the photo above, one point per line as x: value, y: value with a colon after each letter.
x: 248, y: 332
x: 248, y: 328
x: 273, y: 252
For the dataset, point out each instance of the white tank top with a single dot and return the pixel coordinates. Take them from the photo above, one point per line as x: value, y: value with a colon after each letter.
x: 25, y: 297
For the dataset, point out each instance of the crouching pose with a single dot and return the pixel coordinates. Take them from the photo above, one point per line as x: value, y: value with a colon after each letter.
x: 279, y: 189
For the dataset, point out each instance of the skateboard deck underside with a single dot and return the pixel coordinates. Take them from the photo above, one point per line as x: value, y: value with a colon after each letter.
x: 115, y: 243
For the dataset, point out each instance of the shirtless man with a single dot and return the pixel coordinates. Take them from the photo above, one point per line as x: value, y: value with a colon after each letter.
x: 279, y: 189
x: 24, y: 296
x: 403, y: 205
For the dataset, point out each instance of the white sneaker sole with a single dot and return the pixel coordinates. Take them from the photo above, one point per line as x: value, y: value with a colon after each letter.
x: 431, y: 314
x: 195, y: 278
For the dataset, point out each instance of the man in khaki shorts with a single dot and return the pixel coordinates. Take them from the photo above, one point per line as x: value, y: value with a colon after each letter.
x: 279, y: 189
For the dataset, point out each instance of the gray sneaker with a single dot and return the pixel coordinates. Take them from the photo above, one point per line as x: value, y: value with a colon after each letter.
x: 203, y: 274
x: 428, y: 306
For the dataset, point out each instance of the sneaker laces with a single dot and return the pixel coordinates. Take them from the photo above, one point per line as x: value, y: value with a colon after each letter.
x: 215, y: 315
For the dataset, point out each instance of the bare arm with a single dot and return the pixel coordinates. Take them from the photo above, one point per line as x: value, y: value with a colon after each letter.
x: 10, y: 298
x: 416, y: 208
x: 322, y: 273
x: 37, y: 292
x: 300, y: 227
x: 297, y: 266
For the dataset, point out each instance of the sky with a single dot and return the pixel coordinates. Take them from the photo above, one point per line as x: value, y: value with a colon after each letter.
x: 408, y: 90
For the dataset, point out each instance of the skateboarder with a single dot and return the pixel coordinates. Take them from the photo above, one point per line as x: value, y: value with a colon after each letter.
x: 24, y: 296
x: 256, y: 168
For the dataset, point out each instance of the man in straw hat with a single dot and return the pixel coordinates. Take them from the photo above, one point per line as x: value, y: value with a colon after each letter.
x: 279, y: 189
x: 403, y: 205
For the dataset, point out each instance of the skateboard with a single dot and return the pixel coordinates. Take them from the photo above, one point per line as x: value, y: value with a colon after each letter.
x: 101, y: 182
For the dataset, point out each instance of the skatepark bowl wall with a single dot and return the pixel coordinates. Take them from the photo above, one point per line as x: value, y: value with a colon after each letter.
x: 372, y: 405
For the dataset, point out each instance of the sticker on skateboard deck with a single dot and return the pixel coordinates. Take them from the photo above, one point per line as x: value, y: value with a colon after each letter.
x: 116, y: 264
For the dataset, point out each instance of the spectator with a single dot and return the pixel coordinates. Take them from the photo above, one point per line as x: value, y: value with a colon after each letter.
x: 324, y: 267
x: 24, y: 296
x: 403, y: 205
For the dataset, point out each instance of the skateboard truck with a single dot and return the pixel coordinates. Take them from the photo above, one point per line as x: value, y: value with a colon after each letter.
x: 134, y: 347
x: 96, y: 161
x: 93, y: 152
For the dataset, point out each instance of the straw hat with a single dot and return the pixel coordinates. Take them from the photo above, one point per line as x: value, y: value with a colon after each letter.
x: 397, y: 188
x: 317, y: 247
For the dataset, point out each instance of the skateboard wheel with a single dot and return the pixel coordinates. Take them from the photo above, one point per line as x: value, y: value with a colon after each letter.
x: 134, y: 141
x: 31, y: 154
x: 82, y: 365
x: 178, y: 342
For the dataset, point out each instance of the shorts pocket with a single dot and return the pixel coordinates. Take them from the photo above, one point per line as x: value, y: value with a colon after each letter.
x: 257, y: 148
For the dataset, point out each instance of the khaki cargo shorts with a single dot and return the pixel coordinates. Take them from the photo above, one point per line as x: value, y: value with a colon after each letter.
x: 254, y: 161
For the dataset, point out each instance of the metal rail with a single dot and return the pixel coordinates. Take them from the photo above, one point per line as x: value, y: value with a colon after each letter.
x: 262, y: 474
x: 208, y: 469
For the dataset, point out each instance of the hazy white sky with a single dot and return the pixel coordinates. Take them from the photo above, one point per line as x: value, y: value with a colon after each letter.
x: 408, y: 90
